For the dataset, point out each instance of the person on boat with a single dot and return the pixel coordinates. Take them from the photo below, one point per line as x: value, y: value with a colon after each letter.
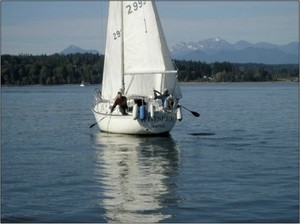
x: 162, y: 97
x: 169, y: 102
x: 158, y: 95
x: 121, y: 101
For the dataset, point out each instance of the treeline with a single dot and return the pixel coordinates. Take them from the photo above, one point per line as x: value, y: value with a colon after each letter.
x: 53, y: 69
x: 230, y: 72
x: 74, y: 68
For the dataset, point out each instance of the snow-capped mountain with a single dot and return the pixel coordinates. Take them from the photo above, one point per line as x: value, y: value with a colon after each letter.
x: 72, y: 49
x: 208, y: 45
x: 218, y: 49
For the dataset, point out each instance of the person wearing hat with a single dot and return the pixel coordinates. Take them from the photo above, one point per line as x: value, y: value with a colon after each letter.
x: 121, y: 101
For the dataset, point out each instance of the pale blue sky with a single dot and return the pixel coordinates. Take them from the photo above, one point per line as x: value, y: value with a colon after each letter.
x: 46, y: 27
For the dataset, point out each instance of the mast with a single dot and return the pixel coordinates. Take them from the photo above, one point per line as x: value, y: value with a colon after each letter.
x: 122, y: 49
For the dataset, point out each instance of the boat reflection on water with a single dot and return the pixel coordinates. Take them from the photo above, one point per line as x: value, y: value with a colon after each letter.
x: 138, y: 176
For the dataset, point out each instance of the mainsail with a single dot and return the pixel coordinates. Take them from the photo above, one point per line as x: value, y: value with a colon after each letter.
x: 136, y: 52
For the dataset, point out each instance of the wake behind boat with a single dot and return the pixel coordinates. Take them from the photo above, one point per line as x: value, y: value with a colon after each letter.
x: 139, y: 70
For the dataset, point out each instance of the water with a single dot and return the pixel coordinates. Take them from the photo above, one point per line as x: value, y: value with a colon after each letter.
x: 237, y: 162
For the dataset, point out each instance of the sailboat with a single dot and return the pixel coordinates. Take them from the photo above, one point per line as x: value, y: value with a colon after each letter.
x: 82, y: 84
x: 138, y: 66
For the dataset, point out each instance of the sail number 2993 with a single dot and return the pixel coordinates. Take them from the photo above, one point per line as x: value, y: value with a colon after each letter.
x: 134, y: 6
x: 131, y: 8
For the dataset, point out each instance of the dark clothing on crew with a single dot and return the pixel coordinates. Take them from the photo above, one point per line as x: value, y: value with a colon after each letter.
x: 158, y: 95
x: 122, y: 102
x: 162, y: 97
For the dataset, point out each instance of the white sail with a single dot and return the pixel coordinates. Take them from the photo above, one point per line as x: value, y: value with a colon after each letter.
x: 112, y: 73
x: 138, y: 51
x: 137, y: 61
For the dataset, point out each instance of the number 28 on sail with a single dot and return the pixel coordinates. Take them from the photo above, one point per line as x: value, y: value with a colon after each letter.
x: 140, y: 90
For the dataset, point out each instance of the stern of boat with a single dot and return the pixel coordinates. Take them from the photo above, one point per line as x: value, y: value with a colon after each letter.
x: 155, y: 120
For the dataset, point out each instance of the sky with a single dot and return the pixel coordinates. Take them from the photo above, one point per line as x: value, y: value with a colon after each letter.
x: 47, y: 27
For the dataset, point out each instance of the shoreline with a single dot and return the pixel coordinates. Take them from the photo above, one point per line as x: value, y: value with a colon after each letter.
x: 182, y: 83
x: 275, y: 81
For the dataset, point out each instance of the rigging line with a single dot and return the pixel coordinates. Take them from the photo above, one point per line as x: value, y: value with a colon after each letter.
x: 175, y: 66
x: 107, y: 127
x: 128, y: 87
x: 122, y: 47
x: 146, y: 31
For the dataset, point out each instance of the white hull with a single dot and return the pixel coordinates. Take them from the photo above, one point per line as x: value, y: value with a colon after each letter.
x: 162, y: 122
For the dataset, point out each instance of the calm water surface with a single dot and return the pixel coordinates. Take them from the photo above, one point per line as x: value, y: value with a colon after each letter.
x: 237, y: 162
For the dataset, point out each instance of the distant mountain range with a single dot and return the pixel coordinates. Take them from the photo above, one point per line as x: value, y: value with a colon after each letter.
x: 72, y: 49
x: 217, y: 49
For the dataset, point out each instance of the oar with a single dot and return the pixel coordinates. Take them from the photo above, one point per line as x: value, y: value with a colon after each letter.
x: 193, y: 112
x: 97, y: 122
